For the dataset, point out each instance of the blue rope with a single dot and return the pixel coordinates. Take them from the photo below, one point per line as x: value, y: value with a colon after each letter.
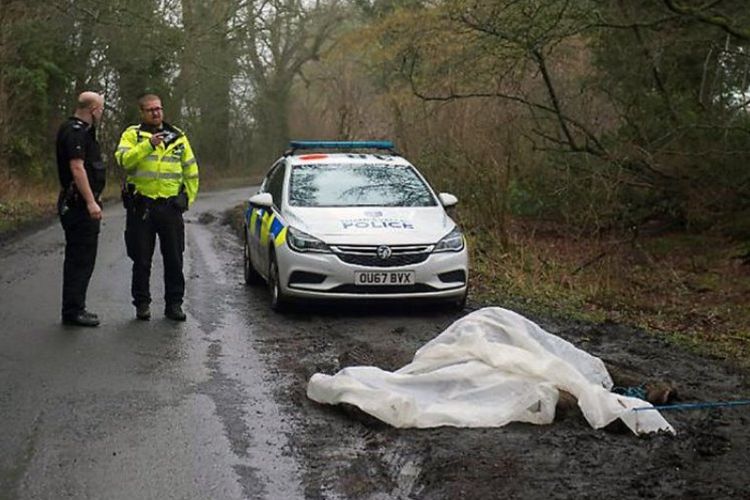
x: 631, y: 392
x: 695, y: 406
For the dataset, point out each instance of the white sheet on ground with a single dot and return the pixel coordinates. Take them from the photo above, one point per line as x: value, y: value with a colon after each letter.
x: 487, y: 369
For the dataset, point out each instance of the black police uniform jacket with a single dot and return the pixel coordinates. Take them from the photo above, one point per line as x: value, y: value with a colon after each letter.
x: 76, y: 139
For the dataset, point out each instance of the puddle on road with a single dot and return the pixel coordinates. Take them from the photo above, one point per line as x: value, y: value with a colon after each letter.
x: 210, y: 269
x: 240, y: 384
x: 255, y: 426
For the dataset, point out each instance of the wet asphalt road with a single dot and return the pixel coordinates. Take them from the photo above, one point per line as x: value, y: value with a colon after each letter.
x: 137, y: 409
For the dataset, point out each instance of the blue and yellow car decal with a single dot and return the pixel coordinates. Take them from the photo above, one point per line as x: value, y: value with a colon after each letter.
x: 266, y: 225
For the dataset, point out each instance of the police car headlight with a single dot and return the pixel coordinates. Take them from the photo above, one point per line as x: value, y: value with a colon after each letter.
x: 300, y: 241
x: 452, y: 242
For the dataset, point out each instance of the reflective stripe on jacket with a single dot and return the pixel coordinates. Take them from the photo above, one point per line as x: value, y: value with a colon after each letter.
x: 157, y: 172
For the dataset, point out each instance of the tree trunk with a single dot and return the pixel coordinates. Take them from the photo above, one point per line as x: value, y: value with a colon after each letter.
x: 202, y: 88
x: 272, y: 109
x: 10, y: 12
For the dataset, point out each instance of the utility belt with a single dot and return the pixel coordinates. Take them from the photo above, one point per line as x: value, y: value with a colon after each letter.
x: 133, y: 200
x: 70, y: 198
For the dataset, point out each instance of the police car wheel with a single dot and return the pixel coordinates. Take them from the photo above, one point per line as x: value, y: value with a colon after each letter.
x: 459, y: 304
x: 251, y: 275
x: 278, y: 300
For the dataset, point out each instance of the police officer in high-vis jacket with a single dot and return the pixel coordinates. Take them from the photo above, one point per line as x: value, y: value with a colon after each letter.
x: 161, y: 183
x: 82, y: 176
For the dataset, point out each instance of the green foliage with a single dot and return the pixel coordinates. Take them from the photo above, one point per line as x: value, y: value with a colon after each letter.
x: 524, y: 201
x: 632, y: 111
x: 598, y: 114
x: 30, y: 75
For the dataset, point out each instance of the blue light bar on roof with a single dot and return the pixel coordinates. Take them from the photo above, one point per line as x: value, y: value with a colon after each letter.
x: 341, y: 145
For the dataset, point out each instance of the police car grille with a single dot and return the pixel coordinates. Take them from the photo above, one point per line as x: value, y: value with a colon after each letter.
x: 368, y: 255
x: 382, y: 289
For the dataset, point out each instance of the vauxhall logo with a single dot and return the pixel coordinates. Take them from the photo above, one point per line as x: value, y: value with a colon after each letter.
x: 384, y: 252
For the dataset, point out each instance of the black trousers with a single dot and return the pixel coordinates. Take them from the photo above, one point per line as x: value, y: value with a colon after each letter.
x: 81, y: 240
x: 143, y: 224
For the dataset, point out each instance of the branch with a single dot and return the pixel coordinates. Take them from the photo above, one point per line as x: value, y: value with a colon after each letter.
x: 655, y: 73
x: 598, y: 151
x: 655, y: 24
x: 564, y: 120
x: 553, y: 97
x: 718, y: 20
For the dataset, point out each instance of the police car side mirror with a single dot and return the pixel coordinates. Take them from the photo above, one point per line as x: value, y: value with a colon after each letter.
x: 261, y: 200
x: 447, y: 199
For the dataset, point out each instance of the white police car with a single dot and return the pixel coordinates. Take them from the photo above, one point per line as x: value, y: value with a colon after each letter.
x: 350, y: 225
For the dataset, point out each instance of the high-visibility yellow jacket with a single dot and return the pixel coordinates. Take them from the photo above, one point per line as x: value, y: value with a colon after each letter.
x: 158, y: 172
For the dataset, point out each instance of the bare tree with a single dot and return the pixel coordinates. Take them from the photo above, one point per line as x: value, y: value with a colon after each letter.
x: 281, y: 36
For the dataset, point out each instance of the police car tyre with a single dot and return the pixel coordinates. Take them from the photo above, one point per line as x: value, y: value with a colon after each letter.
x: 252, y: 277
x: 279, y: 301
x: 459, y: 304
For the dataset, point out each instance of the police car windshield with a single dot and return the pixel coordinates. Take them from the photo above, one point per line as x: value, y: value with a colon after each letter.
x: 358, y: 185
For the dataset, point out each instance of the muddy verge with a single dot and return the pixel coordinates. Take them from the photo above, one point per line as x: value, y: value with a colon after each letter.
x: 348, y: 454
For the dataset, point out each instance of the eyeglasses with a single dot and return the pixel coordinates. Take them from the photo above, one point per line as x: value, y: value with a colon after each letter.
x: 154, y: 110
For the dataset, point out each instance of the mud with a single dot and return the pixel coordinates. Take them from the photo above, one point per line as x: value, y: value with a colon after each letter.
x: 348, y: 454
x: 216, y: 408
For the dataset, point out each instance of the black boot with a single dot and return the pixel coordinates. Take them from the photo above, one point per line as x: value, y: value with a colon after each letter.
x: 143, y: 312
x: 90, y: 314
x: 174, y: 312
x: 81, y: 319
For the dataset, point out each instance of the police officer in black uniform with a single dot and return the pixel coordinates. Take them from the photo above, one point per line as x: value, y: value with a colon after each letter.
x: 82, y: 176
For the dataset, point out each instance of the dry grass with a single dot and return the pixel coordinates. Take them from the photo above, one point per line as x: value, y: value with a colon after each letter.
x: 24, y: 203
x: 692, y: 288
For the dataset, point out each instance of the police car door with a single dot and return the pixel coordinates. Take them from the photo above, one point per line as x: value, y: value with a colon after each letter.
x: 263, y: 238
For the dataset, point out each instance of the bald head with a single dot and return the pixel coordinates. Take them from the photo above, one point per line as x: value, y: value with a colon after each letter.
x: 89, y: 100
x: 90, y: 107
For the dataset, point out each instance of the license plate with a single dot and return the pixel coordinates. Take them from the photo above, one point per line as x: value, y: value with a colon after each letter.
x: 384, y: 278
